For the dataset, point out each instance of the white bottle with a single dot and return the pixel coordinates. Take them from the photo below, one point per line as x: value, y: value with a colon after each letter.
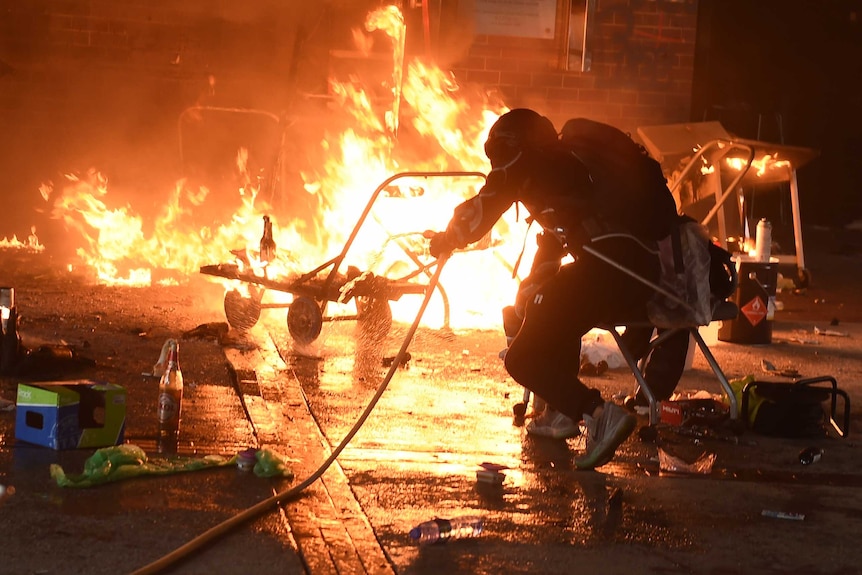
x: 763, y: 241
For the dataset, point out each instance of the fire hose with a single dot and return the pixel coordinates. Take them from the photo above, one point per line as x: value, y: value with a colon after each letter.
x: 286, y: 495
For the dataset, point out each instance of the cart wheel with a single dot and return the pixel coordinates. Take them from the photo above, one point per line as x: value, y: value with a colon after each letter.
x: 304, y: 320
x: 242, y: 312
x: 374, y: 317
x: 802, y: 279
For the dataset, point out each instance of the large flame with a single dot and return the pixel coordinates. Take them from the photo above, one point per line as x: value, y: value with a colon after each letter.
x: 430, y: 126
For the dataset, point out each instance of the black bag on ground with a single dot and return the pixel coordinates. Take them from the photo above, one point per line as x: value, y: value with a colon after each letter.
x: 783, y: 409
x: 791, y: 415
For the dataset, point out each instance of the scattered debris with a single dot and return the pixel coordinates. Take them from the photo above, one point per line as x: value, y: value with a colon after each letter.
x: 246, y: 459
x: 830, y: 332
x: 491, y: 473
x: 672, y: 464
x: 693, y: 412
x: 52, y: 362
x: 593, y: 369
x: 598, y: 346
x: 389, y: 360
x: 768, y: 367
x: 214, y: 330
x: 701, y: 432
x: 782, y: 515
x: 810, y: 455
x: 798, y: 337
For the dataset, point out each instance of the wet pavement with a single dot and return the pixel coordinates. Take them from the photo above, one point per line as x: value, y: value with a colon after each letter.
x: 416, y: 457
x: 445, y: 412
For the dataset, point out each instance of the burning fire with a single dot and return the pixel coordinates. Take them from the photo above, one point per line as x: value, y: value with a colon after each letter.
x: 761, y: 166
x: 32, y: 244
x: 429, y: 126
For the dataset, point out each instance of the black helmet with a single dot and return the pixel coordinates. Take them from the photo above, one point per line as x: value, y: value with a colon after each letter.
x: 515, y: 131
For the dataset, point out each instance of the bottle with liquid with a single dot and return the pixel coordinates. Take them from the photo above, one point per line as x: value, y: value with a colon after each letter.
x: 267, y: 243
x: 170, y: 394
x: 810, y: 455
x: 442, y: 530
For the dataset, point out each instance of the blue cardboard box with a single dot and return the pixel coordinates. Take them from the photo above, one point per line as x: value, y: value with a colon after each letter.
x: 71, y: 414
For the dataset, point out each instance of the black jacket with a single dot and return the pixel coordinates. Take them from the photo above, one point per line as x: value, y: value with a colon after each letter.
x: 552, y: 184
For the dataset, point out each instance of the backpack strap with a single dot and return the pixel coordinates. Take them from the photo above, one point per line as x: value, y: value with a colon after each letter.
x: 676, y: 244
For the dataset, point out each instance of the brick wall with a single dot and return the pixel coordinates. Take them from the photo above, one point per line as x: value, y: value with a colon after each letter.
x: 641, y: 73
x: 102, y: 83
x: 124, y: 70
x: 134, y: 61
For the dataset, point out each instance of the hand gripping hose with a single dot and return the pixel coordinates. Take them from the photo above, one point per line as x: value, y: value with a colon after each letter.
x: 267, y: 504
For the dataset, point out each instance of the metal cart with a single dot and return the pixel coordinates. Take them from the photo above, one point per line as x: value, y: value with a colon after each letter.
x: 700, y: 147
x: 315, y: 289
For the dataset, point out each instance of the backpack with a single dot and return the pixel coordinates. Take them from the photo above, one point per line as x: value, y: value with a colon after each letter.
x: 696, y: 272
x: 630, y: 192
x: 630, y: 195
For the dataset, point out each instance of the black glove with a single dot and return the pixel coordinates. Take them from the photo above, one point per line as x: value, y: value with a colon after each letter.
x: 439, y: 245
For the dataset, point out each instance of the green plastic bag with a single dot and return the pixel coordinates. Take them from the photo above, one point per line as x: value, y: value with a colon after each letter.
x: 271, y: 463
x: 120, y: 462
x: 125, y: 461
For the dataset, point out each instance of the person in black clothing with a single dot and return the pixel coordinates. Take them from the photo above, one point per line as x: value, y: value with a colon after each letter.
x: 663, y: 367
x: 529, y: 165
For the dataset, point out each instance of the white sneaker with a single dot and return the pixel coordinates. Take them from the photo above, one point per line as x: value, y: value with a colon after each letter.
x: 553, y: 424
x: 605, y: 434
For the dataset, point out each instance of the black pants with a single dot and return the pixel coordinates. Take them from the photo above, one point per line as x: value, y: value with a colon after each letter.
x: 544, y: 356
x: 665, y: 364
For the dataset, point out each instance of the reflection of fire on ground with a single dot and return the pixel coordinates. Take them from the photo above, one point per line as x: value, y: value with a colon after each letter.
x: 429, y: 124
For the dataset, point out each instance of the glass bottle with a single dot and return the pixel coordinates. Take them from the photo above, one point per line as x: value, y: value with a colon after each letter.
x: 267, y: 243
x: 170, y: 395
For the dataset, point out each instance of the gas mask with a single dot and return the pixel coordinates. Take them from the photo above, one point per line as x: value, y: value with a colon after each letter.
x: 503, y: 150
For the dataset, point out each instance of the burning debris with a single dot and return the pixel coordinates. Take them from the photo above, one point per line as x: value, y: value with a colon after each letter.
x: 426, y: 125
x: 31, y: 245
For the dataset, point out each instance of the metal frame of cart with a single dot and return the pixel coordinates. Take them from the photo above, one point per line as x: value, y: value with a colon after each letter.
x: 758, y: 163
x: 313, y: 290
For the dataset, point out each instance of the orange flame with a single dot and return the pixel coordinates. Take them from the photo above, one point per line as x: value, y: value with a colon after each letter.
x: 446, y: 133
x: 32, y: 244
x: 761, y: 166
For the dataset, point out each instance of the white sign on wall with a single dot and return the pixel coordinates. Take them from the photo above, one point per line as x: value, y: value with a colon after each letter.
x: 518, y: 18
